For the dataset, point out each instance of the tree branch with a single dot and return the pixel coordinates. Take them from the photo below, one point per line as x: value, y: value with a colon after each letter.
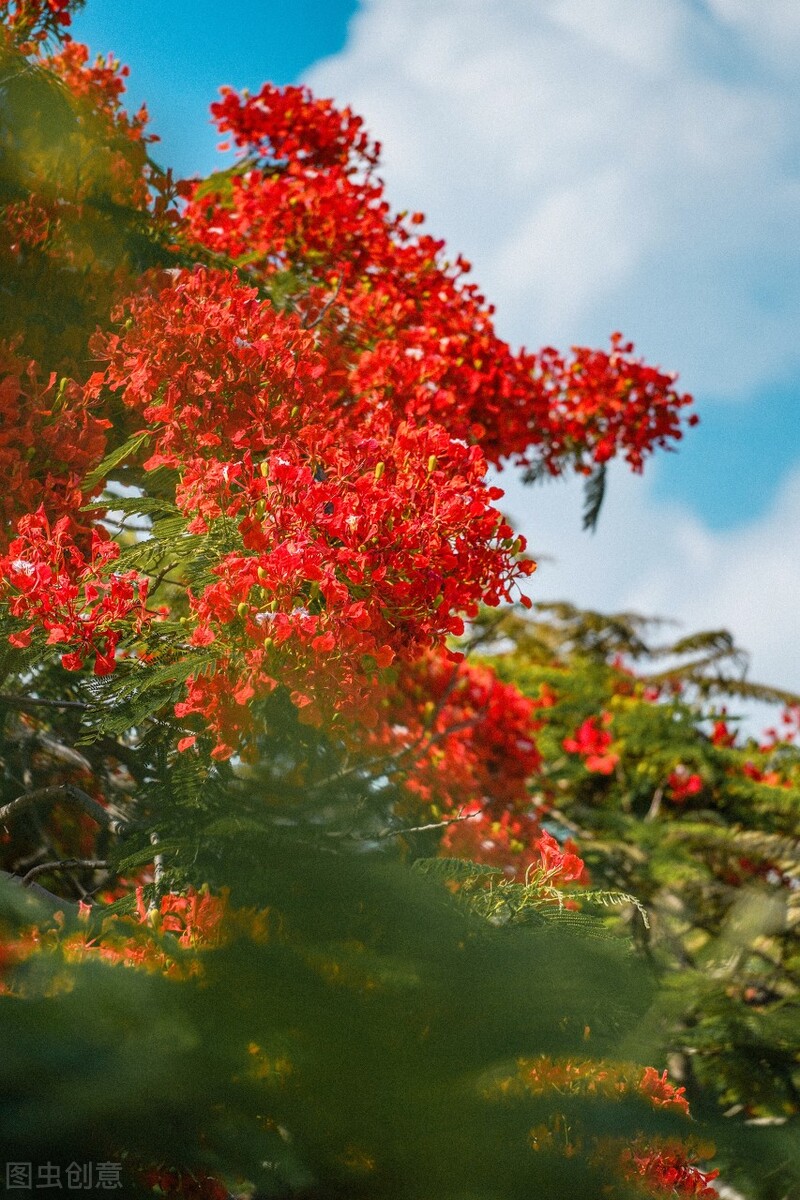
x: 67, y: 791
x: 460, y: 816
x: 326, y: 306
x: 655, y: 804
x: 63, y: 864
x: 26, y: 702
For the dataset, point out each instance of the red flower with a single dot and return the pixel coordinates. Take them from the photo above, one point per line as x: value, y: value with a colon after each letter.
x: 722, y: 736
x: 400, y: 325
x: 661, y: 1092
x: 683, y: 784
x: 47, y: 578
x: 560, y: 865
x: 593, y: 743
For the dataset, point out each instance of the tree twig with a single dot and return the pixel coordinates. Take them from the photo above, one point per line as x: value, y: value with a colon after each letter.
x: 326, y: 306
x: 387, y: 833
x: 67, y: 791
x: 655, y: 803
x: 26, y: 702
x: 63, y: 864
x: 158, y: 875
x: 162, y: 578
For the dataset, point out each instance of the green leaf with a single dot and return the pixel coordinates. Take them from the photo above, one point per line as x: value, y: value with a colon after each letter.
x: 594, y: 494
x: 118, y: 455
x: 457, y: 869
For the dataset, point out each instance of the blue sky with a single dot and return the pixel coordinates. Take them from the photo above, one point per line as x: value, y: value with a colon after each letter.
x: 181, y: 51
x: 605, y: 164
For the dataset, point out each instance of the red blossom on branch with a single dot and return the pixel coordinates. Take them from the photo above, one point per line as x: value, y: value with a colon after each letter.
x: 397, y: 322
x: 668, y: 1168
x: 683, y: 784
x: 196, y: 916
x: 358, y: 545
x: 50, y: 437
x: 592, y: 743
x: 28, y: 23
x: 517, y: 843
x: 48, y: 581
x: 454, y: 731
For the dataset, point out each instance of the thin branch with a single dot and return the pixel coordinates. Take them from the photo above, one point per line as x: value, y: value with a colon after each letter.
x: 387, y: 833
x: 351, y: 770
x: 127, y: 755
x: 426, y: 739
x: 459, y: 727
x: 37, y: 737
x: 162, y: 578
x: 66, y: 791
x: 326, y: 306
x: 655, y: 804
x: 158, y: 875
x: 26, y: 702
x: 569, y: 824
x: 125, y: 525
x: 63, y: 864
x: 491, y: 631
x: 50, y: 853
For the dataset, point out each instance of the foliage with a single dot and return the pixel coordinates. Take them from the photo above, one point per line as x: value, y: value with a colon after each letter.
x: 643, y: 764
x: 246, y: 769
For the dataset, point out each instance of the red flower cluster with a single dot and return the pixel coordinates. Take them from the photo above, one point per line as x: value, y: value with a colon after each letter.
x: 507, y: 841
x: 592, y: 743
x: 683, y: 783
x: 454, y: 731
x: 398, y: 323
x: 48, y: 581
x: 28, y: 23
x: 121, y: 160
x: 196, y: 916
x: 49, y: 439
x: 664, y: 1167
x: 668, y: 1168
x: 722, y: 735
x: 213, y: 372
x: 661, y: 1092
x: 598, y: 1077
x: 559, y: 864
x: 604, y: 404
x: 285, y: 124
x: 184, y: 1185
x: 353, y: 553
x: 517, y: 843
x: 787, y: 734
x: 770, y: 778
x: 357, y: 544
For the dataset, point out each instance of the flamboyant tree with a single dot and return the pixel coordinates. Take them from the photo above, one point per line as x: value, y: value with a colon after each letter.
x: 249, y: 769
x: 644, y: 764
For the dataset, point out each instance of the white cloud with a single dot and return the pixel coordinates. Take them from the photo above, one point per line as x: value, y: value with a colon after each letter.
x: 774, y: 27
x: 616, y: 164
x: 630, y: 164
